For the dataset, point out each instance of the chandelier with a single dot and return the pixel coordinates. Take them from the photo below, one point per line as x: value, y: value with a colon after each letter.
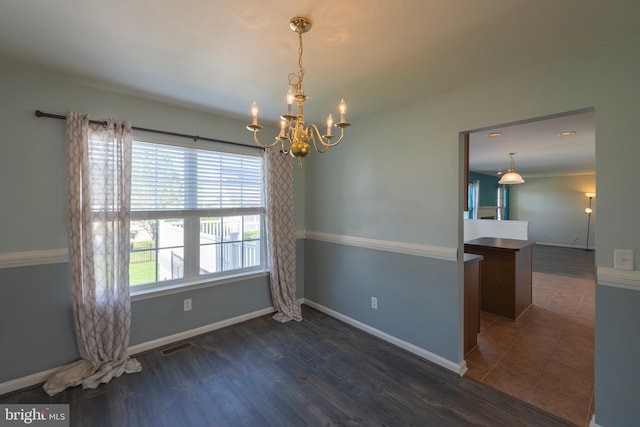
x: 295, y: 138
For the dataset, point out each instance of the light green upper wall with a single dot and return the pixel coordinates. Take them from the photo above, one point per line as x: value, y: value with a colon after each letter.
x: 33, y: 151
x: 397, y: 176
x: 389, y: 179
x: 554, y: 207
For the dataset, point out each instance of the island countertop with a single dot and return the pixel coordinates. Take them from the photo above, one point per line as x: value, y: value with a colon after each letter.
x: 500, y: 243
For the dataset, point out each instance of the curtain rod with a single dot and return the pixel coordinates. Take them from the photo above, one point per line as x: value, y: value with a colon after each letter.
x: 163, y: 132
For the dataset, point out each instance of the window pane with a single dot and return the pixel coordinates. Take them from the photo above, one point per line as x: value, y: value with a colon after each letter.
x: 252, y: 241
x: 230, y: 243
x: 251, y: 253
x: 231, y: 256
x: 210, y: 238
x: 157, y: 251
x: 232, y: 229
x: 170, y: 263
x: 252, y: 226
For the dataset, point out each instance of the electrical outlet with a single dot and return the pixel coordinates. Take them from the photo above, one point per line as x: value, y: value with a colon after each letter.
x: 374, y: 303
x: 187, y: 304
x: 623, y: 259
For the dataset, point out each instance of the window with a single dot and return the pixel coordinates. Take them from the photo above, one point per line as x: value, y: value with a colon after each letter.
x: 196, y: 213
x: 474, y: 199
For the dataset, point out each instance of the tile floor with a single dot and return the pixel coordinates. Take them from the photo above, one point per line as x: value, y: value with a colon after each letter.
x: 546, y: 356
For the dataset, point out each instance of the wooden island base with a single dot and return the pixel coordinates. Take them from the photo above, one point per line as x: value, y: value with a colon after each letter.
x: 505, y: 274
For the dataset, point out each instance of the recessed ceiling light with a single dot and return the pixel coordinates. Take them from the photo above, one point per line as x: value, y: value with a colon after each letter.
x: 494, y: 134
x: 567, y: 133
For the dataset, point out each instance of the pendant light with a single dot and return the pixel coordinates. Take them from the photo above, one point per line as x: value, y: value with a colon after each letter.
x: 511, y: 177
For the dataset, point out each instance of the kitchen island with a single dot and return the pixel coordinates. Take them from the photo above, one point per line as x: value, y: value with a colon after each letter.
x: 505, y: 274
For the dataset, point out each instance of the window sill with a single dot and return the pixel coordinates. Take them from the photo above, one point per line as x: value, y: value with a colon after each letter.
x: 176, y: 288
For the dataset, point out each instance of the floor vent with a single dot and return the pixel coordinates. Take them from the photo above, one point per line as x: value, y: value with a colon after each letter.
x: 175, y: 348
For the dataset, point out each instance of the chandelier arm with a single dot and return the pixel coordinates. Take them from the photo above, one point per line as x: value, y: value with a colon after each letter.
x: 286, y: 151
x: 313, y: 132
x: 326, y: 142
x: 255, y: 138
x: 283, y: 150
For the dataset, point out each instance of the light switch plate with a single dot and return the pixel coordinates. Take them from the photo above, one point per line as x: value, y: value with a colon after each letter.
x: 623, y: 259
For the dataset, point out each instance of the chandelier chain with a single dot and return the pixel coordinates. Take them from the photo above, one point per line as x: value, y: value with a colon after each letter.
x: 296, y: 79
x: 300, y: 50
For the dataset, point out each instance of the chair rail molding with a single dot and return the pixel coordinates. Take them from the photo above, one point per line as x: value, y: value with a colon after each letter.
x: 37, y: 257
x: 617, y: 278
x: 417, y: 249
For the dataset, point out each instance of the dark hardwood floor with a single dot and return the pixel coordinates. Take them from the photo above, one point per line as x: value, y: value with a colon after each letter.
x: 319, y: 372
x: 572, y: 262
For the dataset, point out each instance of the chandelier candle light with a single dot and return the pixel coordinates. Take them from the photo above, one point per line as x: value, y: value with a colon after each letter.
x: 295, y: 138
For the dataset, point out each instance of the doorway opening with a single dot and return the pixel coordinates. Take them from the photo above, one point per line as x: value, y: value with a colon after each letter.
x: 545, y: 356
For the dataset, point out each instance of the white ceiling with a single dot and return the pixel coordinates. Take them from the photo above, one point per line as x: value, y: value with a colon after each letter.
x: 222, y: 55
x: 539, y: 148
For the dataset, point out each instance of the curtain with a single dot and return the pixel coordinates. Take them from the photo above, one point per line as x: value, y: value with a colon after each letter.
x: 281, y: 235
x: 99, y: 189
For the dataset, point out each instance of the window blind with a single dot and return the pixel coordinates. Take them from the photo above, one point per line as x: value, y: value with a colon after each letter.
x: 169, y: 177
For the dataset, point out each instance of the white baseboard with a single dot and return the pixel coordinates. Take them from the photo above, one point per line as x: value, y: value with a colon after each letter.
x: 40, y: 377
x: 170, y: 339
x: 560, y: 245
x: 28, y: 381
x: 458, y: 368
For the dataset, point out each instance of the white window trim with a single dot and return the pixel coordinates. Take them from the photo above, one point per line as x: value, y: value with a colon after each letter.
x: 167, y: 287
x: 164, y: 288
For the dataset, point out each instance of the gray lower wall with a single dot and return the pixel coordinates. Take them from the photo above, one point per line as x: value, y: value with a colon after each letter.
x: 616, y: 355
x: 36, y: 319
x: 162, y: 316
x: 415, y: 294
x: 36, y: 323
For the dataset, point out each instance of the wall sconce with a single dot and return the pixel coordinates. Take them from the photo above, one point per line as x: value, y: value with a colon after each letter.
x: 588, y: 211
